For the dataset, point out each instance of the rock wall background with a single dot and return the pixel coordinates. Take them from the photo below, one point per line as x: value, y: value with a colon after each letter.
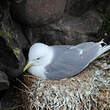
x: 24, y: 22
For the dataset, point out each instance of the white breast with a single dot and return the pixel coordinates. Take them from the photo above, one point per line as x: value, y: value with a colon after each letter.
x: 37, y: 71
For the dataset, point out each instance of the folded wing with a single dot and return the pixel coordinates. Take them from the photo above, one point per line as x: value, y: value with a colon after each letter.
x: 71, y: 60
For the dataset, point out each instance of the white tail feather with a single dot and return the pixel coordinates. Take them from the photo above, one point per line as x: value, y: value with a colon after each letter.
x: 103, y: 49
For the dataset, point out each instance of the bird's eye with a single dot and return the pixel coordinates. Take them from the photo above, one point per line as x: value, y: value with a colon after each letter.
x: 38, y: 58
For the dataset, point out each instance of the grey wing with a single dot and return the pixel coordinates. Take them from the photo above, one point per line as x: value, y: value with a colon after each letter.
x: 86, y: 45
x: 69, y: 61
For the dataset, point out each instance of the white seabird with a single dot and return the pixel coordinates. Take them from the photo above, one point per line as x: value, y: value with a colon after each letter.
x: 62, y: 61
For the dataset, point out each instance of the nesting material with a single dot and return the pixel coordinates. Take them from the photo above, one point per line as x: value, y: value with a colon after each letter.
x: 87, y: 91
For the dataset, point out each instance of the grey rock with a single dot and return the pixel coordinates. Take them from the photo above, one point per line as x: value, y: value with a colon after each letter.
x: 4, y: 7
x: 4, y: 83
x: 68, y: 30
x: 12, y: 59
x: 90, y: 22
x: 78, y: 7
x: 36, y: 12
x: 108, y: 9
x: 12, y: 42
x: 11, y: 100
x: 9, y: 63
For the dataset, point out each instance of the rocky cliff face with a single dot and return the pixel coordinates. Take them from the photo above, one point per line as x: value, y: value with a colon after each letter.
x: 24, y: 22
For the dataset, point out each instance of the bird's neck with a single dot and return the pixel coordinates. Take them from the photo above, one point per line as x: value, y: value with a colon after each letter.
x: 49, y: 57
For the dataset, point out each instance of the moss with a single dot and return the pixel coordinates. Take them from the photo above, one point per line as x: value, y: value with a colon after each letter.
x: 1, y: 33
x: 9, y: 34
x: 16, y: 51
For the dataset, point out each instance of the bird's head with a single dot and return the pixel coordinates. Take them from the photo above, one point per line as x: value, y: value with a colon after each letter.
x: 38, y: 55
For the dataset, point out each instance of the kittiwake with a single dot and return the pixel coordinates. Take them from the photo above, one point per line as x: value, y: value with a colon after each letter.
x: 62, y: 61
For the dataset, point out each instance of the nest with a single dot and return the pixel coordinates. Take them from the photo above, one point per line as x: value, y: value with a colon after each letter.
x: 89, y: 90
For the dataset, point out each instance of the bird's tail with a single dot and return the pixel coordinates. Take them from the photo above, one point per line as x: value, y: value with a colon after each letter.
x: 103, y: 47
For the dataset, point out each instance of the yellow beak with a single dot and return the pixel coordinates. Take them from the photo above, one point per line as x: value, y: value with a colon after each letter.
x: 26, y: 67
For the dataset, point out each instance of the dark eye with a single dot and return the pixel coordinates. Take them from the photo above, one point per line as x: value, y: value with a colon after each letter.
x: 38, y: 58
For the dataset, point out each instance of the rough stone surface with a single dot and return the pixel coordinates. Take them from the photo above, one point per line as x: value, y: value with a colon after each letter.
x: 11, y: 100
x: 90, y: 22
x: 4, y: 7
x: 78, y: 7
x: 68, y: 30
x: 108, y: 9
x: 12, y: 42
x: 80, y: 23
x: 35, y: 12
x: 12, y: 59
x: 4, y: 83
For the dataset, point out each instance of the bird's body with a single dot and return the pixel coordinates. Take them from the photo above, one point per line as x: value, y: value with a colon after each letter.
x: 62, y: 61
